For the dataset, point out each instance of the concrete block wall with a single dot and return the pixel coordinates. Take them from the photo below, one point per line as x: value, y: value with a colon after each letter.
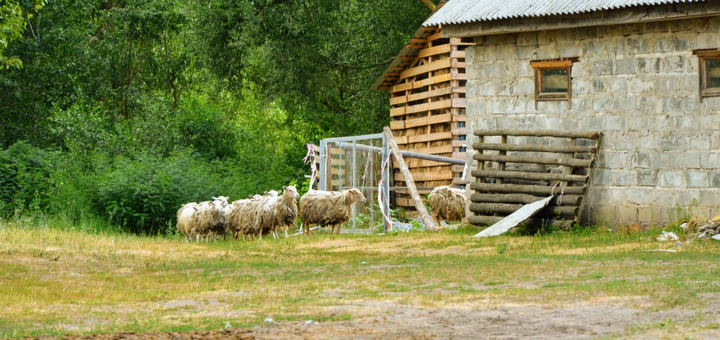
x: 638, y: 84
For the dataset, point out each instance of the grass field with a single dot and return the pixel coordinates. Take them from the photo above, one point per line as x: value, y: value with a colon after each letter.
x: 59, y: 280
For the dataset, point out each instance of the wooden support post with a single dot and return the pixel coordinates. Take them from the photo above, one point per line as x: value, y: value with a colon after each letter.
x: 578, y: 218
x: 501, y: 165
x: 429, y: 222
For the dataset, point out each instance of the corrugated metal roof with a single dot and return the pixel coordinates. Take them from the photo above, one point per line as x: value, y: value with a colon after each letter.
x: 467, y: 11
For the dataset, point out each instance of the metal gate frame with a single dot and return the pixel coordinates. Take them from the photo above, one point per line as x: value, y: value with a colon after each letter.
x: 351, y: 142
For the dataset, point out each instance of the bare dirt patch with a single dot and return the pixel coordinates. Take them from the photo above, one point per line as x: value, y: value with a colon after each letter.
x: 513, y: 322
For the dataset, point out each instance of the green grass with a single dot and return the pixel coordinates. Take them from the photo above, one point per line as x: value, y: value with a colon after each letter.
x: 59, y: 279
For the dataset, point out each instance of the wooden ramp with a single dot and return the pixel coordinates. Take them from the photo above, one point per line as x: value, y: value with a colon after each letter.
x: 518, y: 167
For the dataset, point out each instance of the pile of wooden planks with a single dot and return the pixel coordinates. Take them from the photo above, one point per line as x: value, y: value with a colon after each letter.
x: 519, y: 167
x: 428, y: 109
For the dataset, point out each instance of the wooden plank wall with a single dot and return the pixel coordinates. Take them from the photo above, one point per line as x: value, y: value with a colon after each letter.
x: 527, y: 166
x: 428, y: 111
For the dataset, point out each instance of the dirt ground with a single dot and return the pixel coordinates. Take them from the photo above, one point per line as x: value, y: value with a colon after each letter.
x: 512, y: 322
x: 394, y: 321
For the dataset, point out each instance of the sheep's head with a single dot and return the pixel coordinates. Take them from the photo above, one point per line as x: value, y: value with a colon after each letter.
x: 355, y: 195
x: 218, y: 206
x: 272, y: 193
x: 222, y: 199
x: 291, y: 190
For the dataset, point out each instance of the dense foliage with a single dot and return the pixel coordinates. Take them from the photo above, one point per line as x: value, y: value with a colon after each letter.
x: 125, y: 109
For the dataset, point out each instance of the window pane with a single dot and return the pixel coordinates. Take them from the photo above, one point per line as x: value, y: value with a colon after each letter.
x: 713, y: 73
x: 554, y: 80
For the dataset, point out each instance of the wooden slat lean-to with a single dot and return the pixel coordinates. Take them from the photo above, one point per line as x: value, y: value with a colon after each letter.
x: 517, y: 167
x: 427, y: 89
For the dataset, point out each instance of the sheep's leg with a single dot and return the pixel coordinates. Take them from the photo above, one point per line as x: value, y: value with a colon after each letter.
x: 332, y: 229
x: 286, y: 229
x: 339, y: 227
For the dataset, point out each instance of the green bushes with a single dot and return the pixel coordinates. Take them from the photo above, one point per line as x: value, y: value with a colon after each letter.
x: 138, y: 193
x: 24, y: 173
x: 144, y: 194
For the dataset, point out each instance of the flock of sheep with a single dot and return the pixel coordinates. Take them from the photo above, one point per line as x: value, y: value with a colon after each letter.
x: 266, y: 214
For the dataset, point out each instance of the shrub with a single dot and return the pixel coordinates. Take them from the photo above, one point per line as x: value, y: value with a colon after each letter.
x: 144, y: 194
x: 24, y: 170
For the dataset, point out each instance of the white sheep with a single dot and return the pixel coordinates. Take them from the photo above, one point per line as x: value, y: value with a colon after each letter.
x: 327, y: 208
x: 241, y: 220
x: 286, y: 209
x: 186, y: 219
x: 447, y: 204
x: 209, y: 220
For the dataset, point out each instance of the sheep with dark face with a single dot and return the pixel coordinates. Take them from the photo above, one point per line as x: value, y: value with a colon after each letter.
x: 447, y: 204
x: 328, y: 208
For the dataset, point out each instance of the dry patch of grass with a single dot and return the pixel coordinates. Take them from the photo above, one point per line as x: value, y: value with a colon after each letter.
x: 54, y: 281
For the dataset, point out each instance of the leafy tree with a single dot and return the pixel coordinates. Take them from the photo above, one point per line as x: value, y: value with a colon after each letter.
x: 317, y: 58
x: 12, y: 25
x: 127, y: 108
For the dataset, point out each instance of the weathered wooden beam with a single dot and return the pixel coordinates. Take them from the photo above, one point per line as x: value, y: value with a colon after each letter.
x: 584, y: 163
x: 539, y: 133
x: 428, y: 176
x: 490, y: 220
x: 435, y: 50
x: 442, y: 104
x: 434, y: 37
x: 425, y: 82
x: 526, y: 189
x: 435, y: 65
x: 422, y: 95
x: 457, y: 54
x: 505, y: 208
x: 435, y: 119
x: 543, y: 176
x: 434, y: 150
x: 429, y: 137
x: 554, y: 63
x: 534, y: 147
x: 524, y: 199
x: 419, y: 206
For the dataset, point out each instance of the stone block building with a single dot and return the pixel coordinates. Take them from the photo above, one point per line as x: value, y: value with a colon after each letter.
x: 644, y: 73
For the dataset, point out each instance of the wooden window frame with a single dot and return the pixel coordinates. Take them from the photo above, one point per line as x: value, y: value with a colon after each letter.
x: 555, y: 64
x: 703, y: 56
